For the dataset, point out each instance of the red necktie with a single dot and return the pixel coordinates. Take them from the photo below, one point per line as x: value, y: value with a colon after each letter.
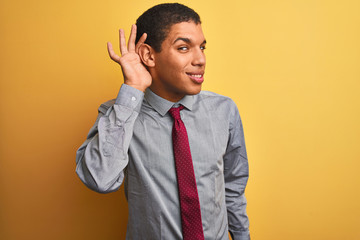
x: 189, y: 199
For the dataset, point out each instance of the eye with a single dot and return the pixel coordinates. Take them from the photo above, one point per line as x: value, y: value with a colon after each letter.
x: 202, y: 48
x: 183, y: 48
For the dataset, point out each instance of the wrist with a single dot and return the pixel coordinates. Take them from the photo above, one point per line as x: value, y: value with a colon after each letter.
x: 140, y: 87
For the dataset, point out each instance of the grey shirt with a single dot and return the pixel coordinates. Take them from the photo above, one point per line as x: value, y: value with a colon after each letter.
x: 131, y: 142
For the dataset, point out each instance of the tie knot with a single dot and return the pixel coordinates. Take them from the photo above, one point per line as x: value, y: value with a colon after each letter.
x: 175, y: 112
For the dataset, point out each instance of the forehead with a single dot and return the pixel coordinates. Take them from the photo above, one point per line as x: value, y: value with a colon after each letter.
x: 188, y: 30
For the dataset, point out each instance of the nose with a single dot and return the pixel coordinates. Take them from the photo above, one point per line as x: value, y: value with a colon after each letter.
x: 199, y: 58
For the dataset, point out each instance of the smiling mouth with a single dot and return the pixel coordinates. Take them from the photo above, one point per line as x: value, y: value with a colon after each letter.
x: 198, y: 78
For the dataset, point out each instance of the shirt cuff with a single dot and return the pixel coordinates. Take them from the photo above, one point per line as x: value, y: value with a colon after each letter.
x: 130, y: 97
x: 240, y: 235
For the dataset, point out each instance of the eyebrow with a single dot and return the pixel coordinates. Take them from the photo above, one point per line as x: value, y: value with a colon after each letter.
x: 187, y: 40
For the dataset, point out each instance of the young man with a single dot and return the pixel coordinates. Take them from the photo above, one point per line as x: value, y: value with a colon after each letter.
x: 179, y: 150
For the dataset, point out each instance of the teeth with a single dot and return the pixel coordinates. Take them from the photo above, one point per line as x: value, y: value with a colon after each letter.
x: 197, y: 76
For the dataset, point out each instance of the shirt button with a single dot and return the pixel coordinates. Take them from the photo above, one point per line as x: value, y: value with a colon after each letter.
x: 133, y: 99
x: 106, y: 152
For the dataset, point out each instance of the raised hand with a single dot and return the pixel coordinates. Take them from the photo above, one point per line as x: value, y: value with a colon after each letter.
x: 135, y: 73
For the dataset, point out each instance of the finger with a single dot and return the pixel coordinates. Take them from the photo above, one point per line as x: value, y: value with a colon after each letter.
x: 123, y: 48
x: 112, y: 54
x: 140, y: 42
x: 132, y: 38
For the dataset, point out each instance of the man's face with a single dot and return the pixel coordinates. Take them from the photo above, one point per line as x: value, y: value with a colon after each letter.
x: 180, y: 66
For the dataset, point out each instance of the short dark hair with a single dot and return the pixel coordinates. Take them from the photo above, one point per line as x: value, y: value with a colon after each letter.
x: 157, y: 21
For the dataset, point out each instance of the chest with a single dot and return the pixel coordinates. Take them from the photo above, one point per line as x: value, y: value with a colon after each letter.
x: 151, y: 147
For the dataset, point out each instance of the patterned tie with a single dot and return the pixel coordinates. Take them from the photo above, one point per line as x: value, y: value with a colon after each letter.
x: 189, y: 199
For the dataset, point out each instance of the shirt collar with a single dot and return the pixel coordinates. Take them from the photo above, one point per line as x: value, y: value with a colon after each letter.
x: 162, y: 106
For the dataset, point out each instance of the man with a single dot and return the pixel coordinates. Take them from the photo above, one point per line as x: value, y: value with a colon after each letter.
x: 185, y: 171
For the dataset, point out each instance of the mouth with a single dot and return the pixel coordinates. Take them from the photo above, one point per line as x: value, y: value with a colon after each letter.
x: 196, y: 77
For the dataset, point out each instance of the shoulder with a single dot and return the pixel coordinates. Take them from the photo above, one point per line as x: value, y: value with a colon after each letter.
x: 223, y: 106
x: 207, y: 95
x: 216, y: 100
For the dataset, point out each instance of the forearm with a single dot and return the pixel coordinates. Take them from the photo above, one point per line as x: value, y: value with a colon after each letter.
x: 104, y: 155
x: 235, y: 183
x: 238, y: 221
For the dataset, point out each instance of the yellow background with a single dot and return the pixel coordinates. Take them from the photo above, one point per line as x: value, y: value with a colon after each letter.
x: 292, y: 67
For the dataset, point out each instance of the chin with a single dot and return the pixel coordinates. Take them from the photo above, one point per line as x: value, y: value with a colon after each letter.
x: 194, y: 91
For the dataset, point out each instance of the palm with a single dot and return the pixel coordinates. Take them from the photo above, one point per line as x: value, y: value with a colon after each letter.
x: 135, y: 74
x: 134, y: 70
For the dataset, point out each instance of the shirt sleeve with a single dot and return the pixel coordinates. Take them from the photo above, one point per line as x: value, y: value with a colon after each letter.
x: 236, y: 173
x: 101, y: 159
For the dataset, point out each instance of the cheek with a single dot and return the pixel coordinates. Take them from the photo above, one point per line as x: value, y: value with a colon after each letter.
x: 175, y: 68
x: 172, y: 65
x: 177, y: 61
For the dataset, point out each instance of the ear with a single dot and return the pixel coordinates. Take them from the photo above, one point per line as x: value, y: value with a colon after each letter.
x: 146, y: 53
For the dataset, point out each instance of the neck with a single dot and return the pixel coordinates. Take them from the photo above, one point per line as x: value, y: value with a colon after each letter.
x: 166, y: 94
